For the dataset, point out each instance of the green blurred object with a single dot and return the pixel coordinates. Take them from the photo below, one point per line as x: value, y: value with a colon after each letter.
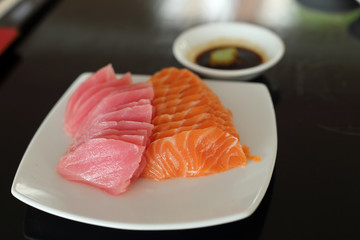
x: 223, y: 56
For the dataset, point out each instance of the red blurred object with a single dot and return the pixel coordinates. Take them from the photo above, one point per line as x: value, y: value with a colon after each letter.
x: 7, y: 36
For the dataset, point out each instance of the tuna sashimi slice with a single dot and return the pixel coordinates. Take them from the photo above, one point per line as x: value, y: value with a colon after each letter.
x: 104, y: 74
x: 106, y: 164
x: 140, y: 113
x: 131, y: 138
x: 112, y: 101
x: 118, y: 125
x: 73, y: 121
x: 140, y: 169
x: 124, y: 80
x: 110, y: 133
x: 89, y: 94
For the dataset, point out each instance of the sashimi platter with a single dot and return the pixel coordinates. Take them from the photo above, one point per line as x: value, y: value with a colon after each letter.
x: 152, y: 152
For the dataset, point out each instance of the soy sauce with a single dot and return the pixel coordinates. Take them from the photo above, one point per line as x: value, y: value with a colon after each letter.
x: 246, y: 58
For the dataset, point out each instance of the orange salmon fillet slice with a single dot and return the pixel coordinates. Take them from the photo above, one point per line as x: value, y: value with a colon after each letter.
x: 204, y: 124
x: 188, y: 113
x: 193, y: 153
x: 168, y: 92
x: 193, y: 133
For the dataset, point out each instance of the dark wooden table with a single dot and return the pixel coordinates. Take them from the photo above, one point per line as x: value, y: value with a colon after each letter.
x: 314, y: 192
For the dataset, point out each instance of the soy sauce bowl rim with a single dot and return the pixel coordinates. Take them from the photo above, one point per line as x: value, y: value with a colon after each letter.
x: 270, y: 62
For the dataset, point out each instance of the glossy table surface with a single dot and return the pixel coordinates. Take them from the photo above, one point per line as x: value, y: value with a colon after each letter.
x: 314, y: 192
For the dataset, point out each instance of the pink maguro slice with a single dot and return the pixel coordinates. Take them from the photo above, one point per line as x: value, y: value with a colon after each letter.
x: 141, y: 112
x: 107, y: 164
x: 103, y: 75
x: 115, y: 134
x: 118, y: 125
x: 93, y: 94
x: 124, y: 94
x: 114, y: 100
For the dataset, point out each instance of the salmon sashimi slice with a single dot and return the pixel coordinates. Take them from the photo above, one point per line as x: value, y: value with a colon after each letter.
x: 193, y: 121
x: 167, y: 76
x: 193, y: 133
x: 204, y: 124
x: 174, y: 77
x: 204, y: 100
x: 164, y: 91
x: 193, y: 153
x: 196, y: 122
x: 177, y: 101
x: 182, y: 94
x: 190, y: 112
x: 107, y: 164
x: 184, y: 122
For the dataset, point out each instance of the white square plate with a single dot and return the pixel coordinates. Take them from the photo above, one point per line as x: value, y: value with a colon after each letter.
x: 149, y: 205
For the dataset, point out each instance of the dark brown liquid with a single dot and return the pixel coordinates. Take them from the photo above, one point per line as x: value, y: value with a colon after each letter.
x: 246, y: 58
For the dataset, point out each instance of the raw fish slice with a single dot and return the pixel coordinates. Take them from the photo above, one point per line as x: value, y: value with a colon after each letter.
x: 170, y: 91
x: 139, y: 113
x: 186, y: 153
x: 104, y: 74
x: 190, y: 112
x: 174, y: 77
x: 120, y: 125
x: 187, y: 122
x: 164, y: 91
x: 223, y: 145
x: 204, y: 124
x: 139, y: 170
x: 110, y: 132
x: 102, y: 92
x: 175, y: 101
x: 182, y: 94
x: 135, y: 139
x: 178, y: 101
x: 198, y: 121
x: 166, y: 75
x: 128, y: 136
x: 106, y: 164
x: 114, y: 100
x: 187, y: 105
x: 72, y: 122
x: 75, y: 120
x: 117, y: 128
x: 125, y: 80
